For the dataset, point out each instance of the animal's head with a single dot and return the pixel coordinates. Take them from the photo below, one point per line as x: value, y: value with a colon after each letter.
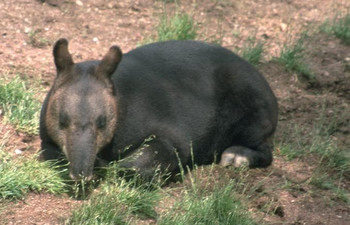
x: 81, y: 113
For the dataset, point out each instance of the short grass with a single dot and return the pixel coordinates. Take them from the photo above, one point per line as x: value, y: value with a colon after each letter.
x: 19, y: 105
x: 333, y: 156
x: 21, y: 175
x: 219, y: 205
x: 292, y: 56
x: 331, y: 160
x: 339, y: 27
x: 322, y: 180
x: 252, y: 51
x: 318, y: 141
x: 179, y: 26
x: 117, y: 201
x: 196, y: 202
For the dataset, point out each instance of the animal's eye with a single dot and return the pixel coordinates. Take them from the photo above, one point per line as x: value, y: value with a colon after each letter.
x: 63, y: 120
x: 101, y: 122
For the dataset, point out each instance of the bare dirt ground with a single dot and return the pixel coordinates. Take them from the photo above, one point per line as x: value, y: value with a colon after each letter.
x: 30, y: 27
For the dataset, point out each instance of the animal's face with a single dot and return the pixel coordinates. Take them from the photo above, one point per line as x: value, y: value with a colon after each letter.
x: 81, y: 119
x: 81, y: 113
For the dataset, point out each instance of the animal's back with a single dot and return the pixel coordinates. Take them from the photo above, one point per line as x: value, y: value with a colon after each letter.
x: 187, y: 89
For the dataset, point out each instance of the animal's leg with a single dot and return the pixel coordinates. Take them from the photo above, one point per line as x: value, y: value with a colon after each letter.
x: 159, y: 156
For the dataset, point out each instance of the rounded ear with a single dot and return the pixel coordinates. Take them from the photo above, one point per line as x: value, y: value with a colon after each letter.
x: 63, y: 59
x: 109, y: 62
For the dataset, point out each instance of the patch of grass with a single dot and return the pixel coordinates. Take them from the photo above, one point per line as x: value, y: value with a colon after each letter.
x: 289, y: 151
x: 323, y: 181
x: 217, y: 207
x: 117, y: 202
x: 207, y: 201
x: 293, y: 144
x: 331, y: 161
x: 332, y: 155
x: 339, y: 27
x: 178, y: 27
x: 21, y: 175
x: 19, y: 104
x: 292, y: 58
x: 318, y: 141
x: 252, y: 52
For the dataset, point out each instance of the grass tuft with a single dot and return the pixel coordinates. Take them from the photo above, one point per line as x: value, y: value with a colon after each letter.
x: 292, y: 57
x: 252, y: 52
x: 332, y: 155
x: 332, y: 161
x: 219, y: 206
x: 319, y: 141
x: 339, y: 27
x: 21, y: 175
x: 179, y: 27
x: 117, y: 202
x: 209, y: 201
x: 19, y: 104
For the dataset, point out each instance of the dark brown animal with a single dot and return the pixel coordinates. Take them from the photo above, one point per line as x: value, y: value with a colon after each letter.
x: 193, y: 102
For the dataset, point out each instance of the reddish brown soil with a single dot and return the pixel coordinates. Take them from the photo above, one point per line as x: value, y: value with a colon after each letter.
x: 30, y: 27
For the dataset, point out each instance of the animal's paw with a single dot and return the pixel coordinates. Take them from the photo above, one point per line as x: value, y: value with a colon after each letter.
x: 229, y: 158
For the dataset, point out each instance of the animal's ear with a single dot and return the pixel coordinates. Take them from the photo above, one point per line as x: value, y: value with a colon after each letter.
x: 109, y: 62
x: 63, y: 59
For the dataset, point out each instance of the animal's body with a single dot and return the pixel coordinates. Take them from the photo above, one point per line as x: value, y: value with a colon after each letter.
x: 190, y: 101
